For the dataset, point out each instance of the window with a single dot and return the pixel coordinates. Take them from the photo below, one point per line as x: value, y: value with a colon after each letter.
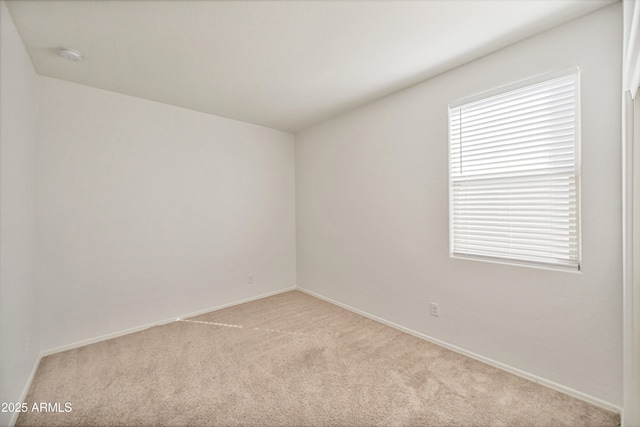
x: 514, y: 173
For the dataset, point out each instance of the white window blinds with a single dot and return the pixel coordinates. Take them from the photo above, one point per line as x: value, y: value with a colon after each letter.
x: 514, y: 174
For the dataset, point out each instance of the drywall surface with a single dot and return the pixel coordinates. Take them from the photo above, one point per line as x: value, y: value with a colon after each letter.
x: 149, y: 211
x: 19, y: 348
x: 632, y: 298
x: 372, y: 219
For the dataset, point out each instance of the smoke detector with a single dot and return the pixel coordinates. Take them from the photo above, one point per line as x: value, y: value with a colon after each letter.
x: 70, y: 54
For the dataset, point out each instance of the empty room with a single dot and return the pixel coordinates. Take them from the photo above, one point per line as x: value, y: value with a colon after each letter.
x: 305, y: 213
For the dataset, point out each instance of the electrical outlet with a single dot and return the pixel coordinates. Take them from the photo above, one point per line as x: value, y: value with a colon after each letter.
x: 250, y: 279
x: 435, y: 309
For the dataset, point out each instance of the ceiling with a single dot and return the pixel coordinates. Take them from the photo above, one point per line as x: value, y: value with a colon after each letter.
x: 281, y: 64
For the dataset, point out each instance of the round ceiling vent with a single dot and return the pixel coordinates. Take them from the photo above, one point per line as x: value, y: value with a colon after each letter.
x: 70, y: 54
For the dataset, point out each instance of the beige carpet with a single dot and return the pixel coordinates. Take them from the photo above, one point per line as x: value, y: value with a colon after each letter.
x: 289, y: 360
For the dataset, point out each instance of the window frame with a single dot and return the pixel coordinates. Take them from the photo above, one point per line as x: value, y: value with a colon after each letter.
x: 575, y: 71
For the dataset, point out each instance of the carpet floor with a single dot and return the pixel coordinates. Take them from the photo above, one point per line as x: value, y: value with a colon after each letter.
x: 287, y: 360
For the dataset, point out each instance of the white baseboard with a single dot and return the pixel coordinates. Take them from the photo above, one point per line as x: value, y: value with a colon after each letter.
x: 542, y: 381
x: 25, y: 390
x: 77, y: 344
x: 158, y: 323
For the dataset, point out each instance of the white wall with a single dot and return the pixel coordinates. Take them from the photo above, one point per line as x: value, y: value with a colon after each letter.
x: 372, y: 219
x: 632, y: 298
x: 19, y: 347
x: 631, y: 211
x: 148, y: 211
